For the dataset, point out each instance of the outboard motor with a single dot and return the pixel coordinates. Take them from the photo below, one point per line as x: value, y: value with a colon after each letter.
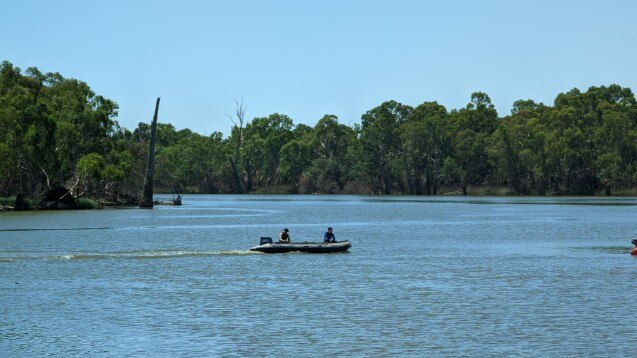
x: 634, y: 241
x: 265, y: 240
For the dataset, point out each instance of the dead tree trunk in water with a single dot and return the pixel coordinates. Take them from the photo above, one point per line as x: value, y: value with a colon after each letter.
x: 150, y: 166
x: 240, y: 111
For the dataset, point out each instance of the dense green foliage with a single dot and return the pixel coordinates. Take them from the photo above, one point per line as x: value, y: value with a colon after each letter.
x: 57, y: 131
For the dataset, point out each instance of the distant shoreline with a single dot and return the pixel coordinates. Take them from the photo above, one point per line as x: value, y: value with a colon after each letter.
x: 7, y: 203
x: 481, y: 190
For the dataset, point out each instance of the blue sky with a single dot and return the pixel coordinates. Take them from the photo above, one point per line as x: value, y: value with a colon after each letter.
x: 310, y: 58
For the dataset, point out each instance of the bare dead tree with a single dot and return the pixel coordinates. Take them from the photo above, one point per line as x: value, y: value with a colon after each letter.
x: 48, y: 182
x: 72, y: 187
x: 150, y: 165
x: 239, y: 112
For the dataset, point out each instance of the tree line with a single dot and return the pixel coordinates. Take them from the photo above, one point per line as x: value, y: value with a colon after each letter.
x: 55, y: 131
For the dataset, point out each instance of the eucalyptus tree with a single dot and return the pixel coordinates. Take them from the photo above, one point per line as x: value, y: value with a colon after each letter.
x: 23, y: 122
x: 193, y: 163
x: 330, y: 142
x: 516, y: 154
x: 614, y: 135
x: 236, y: 141
x: 50, y: 122
x: 472, y: 129
x: 295, y: 157
x: 263, y: 139
x: 380, y: 142
x: 425, y: 142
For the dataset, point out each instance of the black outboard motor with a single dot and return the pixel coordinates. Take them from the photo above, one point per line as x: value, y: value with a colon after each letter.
x: 634, y: 241
x: 265, y: 240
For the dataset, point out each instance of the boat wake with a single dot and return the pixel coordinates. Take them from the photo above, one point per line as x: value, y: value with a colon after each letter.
x: 606, y: 249
x: 122, y: 255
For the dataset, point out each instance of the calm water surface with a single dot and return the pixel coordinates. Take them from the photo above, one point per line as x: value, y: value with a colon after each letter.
x: 455, y: 277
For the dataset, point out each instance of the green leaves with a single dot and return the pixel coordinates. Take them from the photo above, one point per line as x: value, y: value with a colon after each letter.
x: 295, y: 157
x: 51, y: 123
x: 90, y: 166
x: 380, y: 142
x: 424, y: 138
x: 55, y: 128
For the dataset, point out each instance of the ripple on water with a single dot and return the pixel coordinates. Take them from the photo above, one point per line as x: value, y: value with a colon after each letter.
x: 606, y: 249
x: 524, y: 277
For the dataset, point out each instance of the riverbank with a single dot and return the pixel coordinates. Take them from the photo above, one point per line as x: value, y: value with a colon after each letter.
x: 451, y: 190
x: 8, y: 203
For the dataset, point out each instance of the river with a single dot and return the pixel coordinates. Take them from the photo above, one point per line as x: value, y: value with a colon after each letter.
x: 426, y: 276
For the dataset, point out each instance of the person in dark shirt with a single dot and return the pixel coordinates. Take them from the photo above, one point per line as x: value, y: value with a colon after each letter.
x: 284, y: 236
x: 329, y: 236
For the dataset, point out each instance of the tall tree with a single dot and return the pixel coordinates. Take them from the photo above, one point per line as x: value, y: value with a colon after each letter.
x: 330, y: 166
x: 381, y: 144
x: 425, y: 143
x: 48, y: 123
x: 473, y: 127
x: 238, y: 186
x: 264, y: 138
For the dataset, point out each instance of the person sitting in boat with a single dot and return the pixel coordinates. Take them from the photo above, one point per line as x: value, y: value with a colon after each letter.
x: 284, y: 236
x: 329, y: 236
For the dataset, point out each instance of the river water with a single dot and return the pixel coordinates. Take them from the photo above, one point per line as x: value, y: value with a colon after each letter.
x: 426, y: 276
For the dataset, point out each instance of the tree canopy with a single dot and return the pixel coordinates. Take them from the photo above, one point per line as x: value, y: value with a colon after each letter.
x: 55, y: 131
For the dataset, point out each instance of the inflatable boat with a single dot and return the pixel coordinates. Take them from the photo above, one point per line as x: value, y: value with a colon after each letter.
x: 266, y: 245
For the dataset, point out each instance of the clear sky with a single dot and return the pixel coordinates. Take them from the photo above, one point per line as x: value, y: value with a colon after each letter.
x: 310, y: 58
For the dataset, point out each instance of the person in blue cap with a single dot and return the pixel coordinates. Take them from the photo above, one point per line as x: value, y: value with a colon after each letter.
x: 329, y: 236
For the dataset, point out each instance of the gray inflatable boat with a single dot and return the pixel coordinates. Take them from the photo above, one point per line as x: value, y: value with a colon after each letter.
x: 266, y: 245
